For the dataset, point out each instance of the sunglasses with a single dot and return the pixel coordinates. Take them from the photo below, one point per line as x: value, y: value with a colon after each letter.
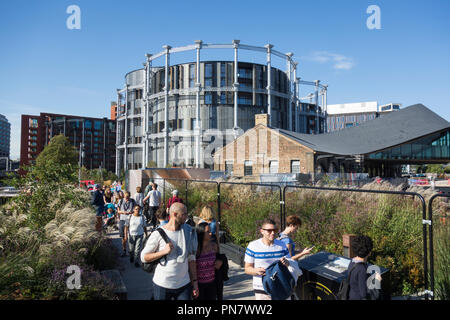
x: 271, y: 230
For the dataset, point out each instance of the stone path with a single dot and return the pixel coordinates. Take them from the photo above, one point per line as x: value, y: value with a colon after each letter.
x: 139, y: 283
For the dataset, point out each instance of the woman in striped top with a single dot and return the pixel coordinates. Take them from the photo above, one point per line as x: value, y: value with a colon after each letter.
x: 206, y: 263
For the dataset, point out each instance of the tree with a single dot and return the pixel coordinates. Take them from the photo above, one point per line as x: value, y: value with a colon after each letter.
x: 58, y: 151
x: 58, y: 160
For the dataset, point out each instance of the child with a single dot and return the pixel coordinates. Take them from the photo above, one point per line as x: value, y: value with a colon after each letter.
x: 136, y: 235
x: 109, y: 217
x: 357, y: 278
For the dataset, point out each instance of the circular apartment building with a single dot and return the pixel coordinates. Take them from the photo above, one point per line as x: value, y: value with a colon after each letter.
x: 169, y: 114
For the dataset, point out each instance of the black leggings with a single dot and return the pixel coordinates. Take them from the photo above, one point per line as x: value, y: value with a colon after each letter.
x: 207, y: 291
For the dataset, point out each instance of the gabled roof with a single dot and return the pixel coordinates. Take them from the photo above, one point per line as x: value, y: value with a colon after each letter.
x: 390, y: 129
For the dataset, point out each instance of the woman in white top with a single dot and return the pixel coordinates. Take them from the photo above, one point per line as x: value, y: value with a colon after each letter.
x: 136, y: 231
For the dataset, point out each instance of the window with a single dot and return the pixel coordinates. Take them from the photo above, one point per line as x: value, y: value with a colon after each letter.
x: 213, y: 117
x: 33, y: 123
x: 208, y: 70
x: 97, y: 125
x: 248, y: 168
x: 191, y: 75
x: 295, y: 166
x: 229, y: 167
x: 193, y: 123
x: 88, y: 124
x: 208, y: 98
x: 245, y: 73
x: 223, y: 98
x: 273, y: 166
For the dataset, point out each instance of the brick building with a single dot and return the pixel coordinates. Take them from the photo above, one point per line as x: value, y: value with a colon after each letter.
x: 264, y: 150
x: 98, y: 135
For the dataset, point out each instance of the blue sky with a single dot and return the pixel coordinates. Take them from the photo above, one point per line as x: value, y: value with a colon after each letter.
x: 45, y: 67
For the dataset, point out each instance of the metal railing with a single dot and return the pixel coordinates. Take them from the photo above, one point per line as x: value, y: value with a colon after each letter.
x: 427, y: 229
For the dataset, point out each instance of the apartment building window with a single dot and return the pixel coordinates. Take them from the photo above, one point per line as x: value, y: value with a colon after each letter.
x: 33, y: 123
x: 208, y: 98
x: 248, y: 168
x: 273, y: 166
x: 295, y: 166
x: 213, y: 117
x: 191, y: 75
x: 223, y: 70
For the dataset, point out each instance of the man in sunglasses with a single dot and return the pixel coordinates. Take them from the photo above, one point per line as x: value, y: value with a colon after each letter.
x: 261, y: 253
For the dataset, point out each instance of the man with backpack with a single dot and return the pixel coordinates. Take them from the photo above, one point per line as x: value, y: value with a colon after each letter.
x: 261, y: 253
x: 176, y: 277
x: 355, y: 287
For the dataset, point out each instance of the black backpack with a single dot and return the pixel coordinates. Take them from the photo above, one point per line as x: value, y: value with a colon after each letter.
x: 344, y: 287
x: 151, y: 266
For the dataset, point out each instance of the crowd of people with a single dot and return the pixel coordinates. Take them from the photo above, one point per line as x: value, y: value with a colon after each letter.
x: 194, y: 267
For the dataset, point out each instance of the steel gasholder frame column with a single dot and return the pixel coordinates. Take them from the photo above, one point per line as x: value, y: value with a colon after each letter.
x: 289, y: 75
x: 236, y: 85
x: 269, y: 82
x: 166, y: 107
x: 198, y: 125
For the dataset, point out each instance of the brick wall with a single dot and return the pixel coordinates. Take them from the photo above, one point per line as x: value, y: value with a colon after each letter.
x: 262, y: 145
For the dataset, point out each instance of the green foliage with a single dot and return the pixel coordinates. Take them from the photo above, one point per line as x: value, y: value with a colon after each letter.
x: 34, y: 260
x: 435, y: 168
x: 98, y: 175
x: 442, y: 259
x: 152, y: 164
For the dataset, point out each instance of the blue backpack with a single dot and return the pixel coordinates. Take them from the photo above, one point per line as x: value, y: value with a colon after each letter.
x: 278, y: 281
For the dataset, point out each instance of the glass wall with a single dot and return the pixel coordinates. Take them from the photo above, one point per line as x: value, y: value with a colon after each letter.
x: 432, y: 147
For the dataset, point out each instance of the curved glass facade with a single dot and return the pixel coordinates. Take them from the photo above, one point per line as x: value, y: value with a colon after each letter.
x: 432, y: 147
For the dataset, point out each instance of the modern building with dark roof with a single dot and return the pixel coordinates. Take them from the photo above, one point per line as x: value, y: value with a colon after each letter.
x: 413, y: 135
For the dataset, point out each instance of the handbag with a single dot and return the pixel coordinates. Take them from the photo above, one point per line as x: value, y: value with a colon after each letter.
x: 151, y: 266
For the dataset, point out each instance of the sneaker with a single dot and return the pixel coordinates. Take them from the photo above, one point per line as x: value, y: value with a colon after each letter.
x: 131, y: 259
x: 124, y: 254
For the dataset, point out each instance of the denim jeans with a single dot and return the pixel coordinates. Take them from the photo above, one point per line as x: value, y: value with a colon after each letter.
x: 183, y: 293
x: 135, y: 246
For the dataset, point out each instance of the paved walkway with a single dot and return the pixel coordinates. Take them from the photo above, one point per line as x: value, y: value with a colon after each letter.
x: 139, y: 283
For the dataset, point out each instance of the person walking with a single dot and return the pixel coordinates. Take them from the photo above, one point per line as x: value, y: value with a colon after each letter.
x: 154, y: 197
x: 108, y: 196
x: 98, y: 203
x: 207, y: 264
x: 208, y: 215
x: 357, y: 271
x: 292, y: 224
x: 173, y: 199
x: 139, y: 197
x: 137, y: 230
x: 176, y: 278
x: 125, y: 210
x: 162, y: 217
x: 261, y: 253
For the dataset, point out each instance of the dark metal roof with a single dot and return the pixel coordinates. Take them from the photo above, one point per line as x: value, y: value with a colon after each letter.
x: 390, y: 129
